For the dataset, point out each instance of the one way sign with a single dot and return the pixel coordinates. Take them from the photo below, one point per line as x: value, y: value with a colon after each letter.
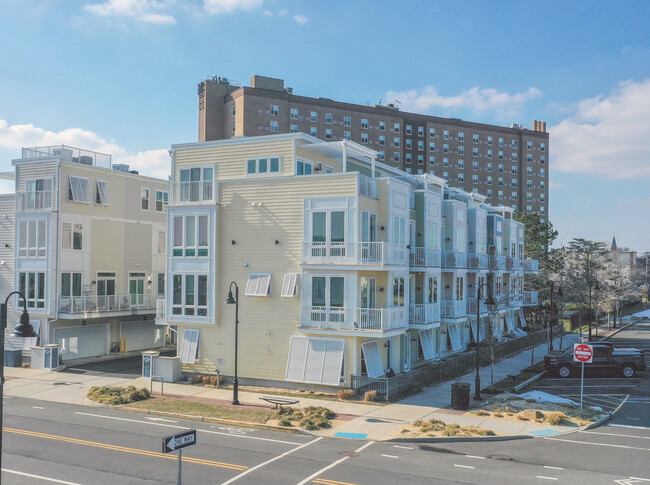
x: 179, y: 441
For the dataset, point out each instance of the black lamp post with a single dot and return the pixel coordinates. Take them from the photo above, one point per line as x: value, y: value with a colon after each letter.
x: 24, y: 329
x: 589, y: 315
x: 230, y: 300
x: 552, y: 320
x: 489, y: 301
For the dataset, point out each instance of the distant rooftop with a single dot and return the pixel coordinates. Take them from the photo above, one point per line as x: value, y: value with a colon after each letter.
x: 69, y: 154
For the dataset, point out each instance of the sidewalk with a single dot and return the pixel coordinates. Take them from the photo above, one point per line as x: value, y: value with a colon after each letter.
x: 367, y: 421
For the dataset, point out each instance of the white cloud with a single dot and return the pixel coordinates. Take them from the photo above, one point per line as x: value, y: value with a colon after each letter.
x: 607, y: 135
x: 301, y: 19
x: 217, y: 7
x: 552, y: 184
x: 149, y: 11
x: 155, y: 163
x: 475, y: 99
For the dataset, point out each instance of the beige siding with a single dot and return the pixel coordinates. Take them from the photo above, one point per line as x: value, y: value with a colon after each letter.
x: 107, y: 248
x: 37, y: 170
x: 136, y: 250
x: 7, y: 217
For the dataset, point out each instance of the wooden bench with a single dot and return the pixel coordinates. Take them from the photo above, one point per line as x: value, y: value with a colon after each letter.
x: 280, y: 401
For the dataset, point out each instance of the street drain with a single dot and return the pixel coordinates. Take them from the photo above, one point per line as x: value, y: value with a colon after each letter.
x: 500, y: 457
x: 351, y: 454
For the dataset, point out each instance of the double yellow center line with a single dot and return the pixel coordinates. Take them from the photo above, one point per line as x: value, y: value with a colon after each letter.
x: 324, y: 481
x: 124, y: 449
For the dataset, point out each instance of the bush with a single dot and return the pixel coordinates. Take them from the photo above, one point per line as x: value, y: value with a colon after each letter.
x: 539, y: 415
x: 196, y: 379
x: 285, y: 422
x: 206, y: 380
x: 555, y: 418
x: 480, y: 412
x: 117, y: 394
x: 214, y: 380
x: 370, y: 396
x: 345, y: 394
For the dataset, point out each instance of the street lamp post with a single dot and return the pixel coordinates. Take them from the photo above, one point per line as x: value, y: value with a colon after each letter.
x: 24, y: 329
x: 489, y: 301
x: 589, y: 314
x: 230, y: 300
x: 552, y: 320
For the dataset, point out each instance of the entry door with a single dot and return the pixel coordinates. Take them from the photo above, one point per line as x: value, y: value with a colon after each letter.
x: 136, y: 289
x: 106, y: 294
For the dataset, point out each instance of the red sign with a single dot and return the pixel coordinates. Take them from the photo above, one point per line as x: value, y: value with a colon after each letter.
x: 583, y: 353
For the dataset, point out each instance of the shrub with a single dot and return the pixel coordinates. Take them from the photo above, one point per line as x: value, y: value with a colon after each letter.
x: 370, y: 396
x: 196, y: 379
x: 555, y: 418
x: 214, y: 380
x: 521, y: 417
x: 284, y: 422
x: 539, y: 415
x: 117, y: 394
x: 345, y: 394
x: 499, y: 415
x: 480, y: 412
x: 418, y: 423
x: 206, y: 380
x: 308, y: 424
x: 319, y: 412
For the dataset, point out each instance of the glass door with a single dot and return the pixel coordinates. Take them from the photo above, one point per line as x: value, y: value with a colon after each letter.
x: 136, y: 289
x: 106, y: 291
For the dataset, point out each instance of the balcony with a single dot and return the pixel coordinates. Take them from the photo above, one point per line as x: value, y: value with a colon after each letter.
x: 477, y: 261
x: 424, y: 313
x: 453, y: 309
x: 497, y: 262
x: 515, y: 300
x: 530, y: 265
x: 371, y: 253
x: 367, y: 186
x: 354, y: 319
x: 36, y: 200
x: 424, y: 257
x: 194, y: 192
x: 530, y: 298
x: 472, y: 304
x: 107, y: 303
x: 513, y: 264
x: 69, y: 154
x: 454, y: 259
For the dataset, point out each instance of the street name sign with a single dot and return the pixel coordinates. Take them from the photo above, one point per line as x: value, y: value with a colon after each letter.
x: 178, y: 441
x: 583, y: 353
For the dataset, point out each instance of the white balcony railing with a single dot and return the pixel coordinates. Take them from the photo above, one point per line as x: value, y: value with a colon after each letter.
x: 454, y: 259
x: 354, y: 319
x: 69, y: 154
x: 425, y: 313
x: 424, y: 257
x: 530, y: 265
x: 367, y: 186
x: 471, y: 306
x: 194, y: 192
x: 106, y: 303
x: 513, y: 264
x: 530, y: 298
x: 453, y: 309
x: 355, y: 253
x: 515, y: 300
x: 497, y: 262
x: 36, y: 200
x: 161, y: 308
x: 477, y: 261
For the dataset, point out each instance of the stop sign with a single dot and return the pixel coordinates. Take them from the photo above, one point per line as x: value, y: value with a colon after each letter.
x: 583, y: 353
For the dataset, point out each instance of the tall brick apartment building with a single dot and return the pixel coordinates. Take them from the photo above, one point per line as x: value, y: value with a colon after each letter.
x: 507, y: 164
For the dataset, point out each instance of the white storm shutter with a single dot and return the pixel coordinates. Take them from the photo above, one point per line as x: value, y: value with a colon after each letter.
x: 426, y: 340
x: 30, y: 342
x: 373, y: 359
x: 259, y: 284
x: 102, y: 193
x: 315, y: 360
x: 79, y: 189
x: 289, y: 285
x: 522, y: 319
x: 510, y: 322
x: 454, y: 336
x: 190, y: 345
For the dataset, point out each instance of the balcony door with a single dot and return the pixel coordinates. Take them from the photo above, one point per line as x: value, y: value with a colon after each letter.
x: 368, y: 302
x: 105, y: 291
x: 328, y: 233
x: 136, y: 289
x: 328, y: 298
x: 369, y: 248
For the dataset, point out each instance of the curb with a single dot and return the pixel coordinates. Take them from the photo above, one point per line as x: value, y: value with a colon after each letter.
x: 617, y: 330
x: 519, y: 387
x: 468, y: 439
x: 607, y: 417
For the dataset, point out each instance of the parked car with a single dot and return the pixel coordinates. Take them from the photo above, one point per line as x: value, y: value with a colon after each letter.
x: 607, y: 360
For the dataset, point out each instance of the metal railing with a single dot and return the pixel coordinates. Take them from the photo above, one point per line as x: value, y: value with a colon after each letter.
x: 449, y: 368
x: 513, y: 264
x: 471, y: 306
x: 194, y: 191
x: 161, y: 308
x: 367, y: 186
x: 354, y: 319
x: 424, y: 313
x: 69, y: 154
x: 424, y: 257
x: 530, y: 265
x: 477, y: 261
x: 497, y: 262
x: 530, y: 298
x: 453, y: 309
x: 106, y: 303
x: 454, y: 259
x: 355, y: 253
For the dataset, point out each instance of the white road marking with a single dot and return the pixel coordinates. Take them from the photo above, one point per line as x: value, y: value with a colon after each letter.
x: 617, y: 434
x: 161, y: 419
x: 390, y: 456
x: 546, y: 478
x: 464, y: 466
x: 257, y: 467
x: 54, y: 480
x: 38, y: 407
x: 553, y: 467
x: 185, y: 427
x: 597, y: 444
x: 474, y: 456
x: 627, y: 426
x: 403, y: 447
x: 330, y: 466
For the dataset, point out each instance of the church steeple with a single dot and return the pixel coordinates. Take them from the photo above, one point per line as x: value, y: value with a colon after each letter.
x: 614, y: 247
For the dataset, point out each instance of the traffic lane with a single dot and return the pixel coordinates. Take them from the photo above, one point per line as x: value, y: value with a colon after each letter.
x: 389, y: 463
x: 635, y: 412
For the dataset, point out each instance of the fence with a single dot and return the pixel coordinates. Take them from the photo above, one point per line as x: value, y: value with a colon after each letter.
x: 451, y: 368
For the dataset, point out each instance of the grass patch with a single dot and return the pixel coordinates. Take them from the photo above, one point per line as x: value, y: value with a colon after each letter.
x: 117, y: 394
x: 235, y: 413
x: 435, y: 427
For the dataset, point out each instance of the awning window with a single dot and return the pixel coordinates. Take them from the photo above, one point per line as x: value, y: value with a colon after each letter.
x: 259, y: 284
x: 289, y: 285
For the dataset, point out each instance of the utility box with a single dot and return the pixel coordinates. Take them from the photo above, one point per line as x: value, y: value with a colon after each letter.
x: 46, y: 357
x: 168, y: 368
x: 148, y: 364
x: 460, y: 395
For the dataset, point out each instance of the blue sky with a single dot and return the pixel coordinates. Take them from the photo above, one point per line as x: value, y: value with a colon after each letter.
x: 120, y: 76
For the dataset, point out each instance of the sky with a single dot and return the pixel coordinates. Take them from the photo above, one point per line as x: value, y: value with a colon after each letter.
x: 120, y: 77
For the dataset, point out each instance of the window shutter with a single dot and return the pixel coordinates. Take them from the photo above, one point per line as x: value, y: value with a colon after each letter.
x: 190, y: 345
x: 373, y: 359
x: 426, y: 339
x: 289, y: 285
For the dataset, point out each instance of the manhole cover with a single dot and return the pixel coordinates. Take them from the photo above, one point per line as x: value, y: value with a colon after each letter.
x: 500, y: 457
x: 351, y: 454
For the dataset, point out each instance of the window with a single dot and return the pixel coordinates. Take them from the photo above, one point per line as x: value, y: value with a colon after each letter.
x: 489, y: 140
x: 420, y: 130
x: 529, y: 184
x: 542, y: 159
x: 382, y: 126
x: 475, y: 179
x: 542, y: 172
x: 70, y: 285
x: 489, y: 193
x: 32, y: 285
x: 101, y: 195
x: 328, y: 134
x: 421, y: 159
x: 432, y: 132
x: 475, y: 166
x: 500, y: 142
x: 432, y: 146
x: 542, y: 185
x: 396, y: 156
x: 420, y: 145
x: 32, y: 239
x: 364, y: 123
x: 500, y: 195
x: 144, y: 196
x: 328, y: 292
x: 461, y: 136
x: 190, y: 235
x: 364, y: 138
x: 259, y: 284
x: 408, y: 158
x: 475, y: 138
x: 162, y: 198
x: 381, y: 156
x: 290, y: 286
x: 500, y: 168
x: 461, y: 177
x: 293, y: 129
x: 313, y: 131
x: 529, y: 158
x: 489, y: 167
x: 514, y: 144
x: 513, y: 157
x: 513, y: 195
x: 408, y: 170
x: 542, y: 197
x: 445, y: 135
x: 38, y: 194
x: 432, y: 160
x: 303, y: 168
x: 316, y: 360
x: 409, y: 144
x: 475, y: 152
x: 273, y: 126
x: 233, y: 127
x: 396, y: 127
x: 529, y: 196
x: 542, y: 147
x: 514, y: 170
x: 71, y: 236
x: 274, y: 110
x: 500, y: 181
x: 445, y: 175
x: 461, y: 164
x: 328, y: 118
x: 461, y: 150
x: 460, y: 293
x: 293, y: 113
x: 347, y: 121
x: 313, y: 116
x: 259, y: 166
x: 529, y: 171
x: 489, y: 180
x: 189, y: 352
x: 489, y: 154
x: 347, y: 135
x: 529, y: 209
x: 398, y: 291
x: 541, y: 209
x: 529, y: 145
x: 382, y: 140
x: 513, y: 183
x: 500, y: 155
x: 396, y: 142
x: 190, y: 295
x: 161, y: 283
x: 445, y: 162
x: 445, y: 148
x: 79, y: 189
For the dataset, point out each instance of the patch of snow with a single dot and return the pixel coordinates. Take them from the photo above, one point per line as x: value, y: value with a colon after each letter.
x: 540, y: 396
x: 596, y: 408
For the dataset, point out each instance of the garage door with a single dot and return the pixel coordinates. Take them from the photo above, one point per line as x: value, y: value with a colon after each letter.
x: 141, y: 335
x: 85, y: 341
